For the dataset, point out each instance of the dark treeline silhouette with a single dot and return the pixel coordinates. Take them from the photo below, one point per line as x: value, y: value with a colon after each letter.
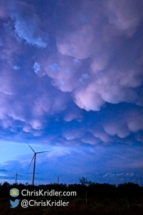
x: 92, y: 198
x: 93, y: 189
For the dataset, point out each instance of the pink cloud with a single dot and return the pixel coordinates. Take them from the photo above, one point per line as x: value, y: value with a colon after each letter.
x: 3, y: 9
x: 124, y: 123
x: 87, y: 98
x: 78, y: 44
x: 73, y: 133
x: 125, y: 15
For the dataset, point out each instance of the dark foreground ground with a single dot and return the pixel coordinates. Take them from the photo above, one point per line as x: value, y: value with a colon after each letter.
x: 97, y: 199
x: 106, y: 206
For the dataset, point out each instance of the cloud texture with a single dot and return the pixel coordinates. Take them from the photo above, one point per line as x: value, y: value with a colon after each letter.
x: 94, y: 62
x: 72, y: 72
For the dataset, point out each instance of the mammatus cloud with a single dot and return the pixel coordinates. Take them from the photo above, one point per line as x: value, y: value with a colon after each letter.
x: 91, y: 60
x: 26, y: 24
x: 112, y: 77
x: 125, y: 15
x: 78, y: 44
x: 124, y: 124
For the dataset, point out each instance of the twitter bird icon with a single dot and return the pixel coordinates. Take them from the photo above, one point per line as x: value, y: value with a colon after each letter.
x: 14, y: 203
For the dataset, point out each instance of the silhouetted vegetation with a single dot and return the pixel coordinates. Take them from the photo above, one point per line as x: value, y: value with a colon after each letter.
x: 92, y: 198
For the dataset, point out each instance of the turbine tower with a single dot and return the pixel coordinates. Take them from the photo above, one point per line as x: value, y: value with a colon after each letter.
x: 34, y: 164
x: 15, y: 176
x: 58, y: 178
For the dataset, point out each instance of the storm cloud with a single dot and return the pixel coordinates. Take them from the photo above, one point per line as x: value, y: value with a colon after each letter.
x: 72, y: 72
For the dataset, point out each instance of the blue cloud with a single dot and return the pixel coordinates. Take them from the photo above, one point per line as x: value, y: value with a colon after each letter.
x: 26, y: 26
x: 1, y: 43
x: 16, y: 67
x: 36, y: 67
x: 54, y: 67
x: 25, y: 31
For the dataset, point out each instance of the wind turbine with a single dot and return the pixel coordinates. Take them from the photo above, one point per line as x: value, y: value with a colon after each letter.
x: 15, y: 176
x: 34, y: 164
x: 58, y: 178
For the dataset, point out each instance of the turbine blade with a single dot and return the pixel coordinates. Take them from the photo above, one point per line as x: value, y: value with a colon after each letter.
x: 43, y: 152
x: 29, y: 146
x: 30, y: 163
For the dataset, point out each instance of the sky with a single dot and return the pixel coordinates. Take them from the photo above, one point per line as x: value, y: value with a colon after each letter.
x: 71, y: 83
